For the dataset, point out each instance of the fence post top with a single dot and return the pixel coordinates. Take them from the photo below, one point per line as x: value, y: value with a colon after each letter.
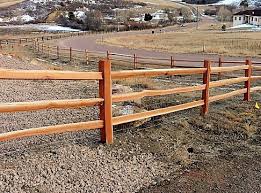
x: 248, y: 60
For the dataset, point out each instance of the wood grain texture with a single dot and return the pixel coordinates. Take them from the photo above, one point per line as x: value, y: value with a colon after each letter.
x: 225, y: 82
x: 206, y: 92
x: 48, y: 75
x: 227, y: 95
x: 254, y: 89
x: 144, y: 115
x: 150, y: 93
x: 156, y: 72
x: 48, y: 104
x: 228, y: 69
x: 105, y: 92
x: 255, y: 78
x: 51, y: 130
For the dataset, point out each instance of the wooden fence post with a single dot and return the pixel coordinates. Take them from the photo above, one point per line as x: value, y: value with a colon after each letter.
x: 248, y: 73
x: 34, y: 45
x: 48, y: 51
x: 206, y: 81
x: 70, y: 54
x: 108, y: 55
x: 105, y: 92
x: 87, y: 57
x: 220, y: 64
x: 58, y: 52
x: 172, y: 62
x: 38, y: 47
x: 134, y: 61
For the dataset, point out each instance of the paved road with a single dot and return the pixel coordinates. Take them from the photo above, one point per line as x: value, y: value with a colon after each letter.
x: 89, y: 43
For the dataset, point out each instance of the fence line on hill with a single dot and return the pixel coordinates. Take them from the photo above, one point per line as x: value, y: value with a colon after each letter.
x: 133, y: 61
x: 106, y: 99
x: 50, y: 36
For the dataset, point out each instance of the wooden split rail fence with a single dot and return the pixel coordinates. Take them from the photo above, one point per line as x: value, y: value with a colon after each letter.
x: 106, y: 99
x: 41, y: 38
x: 133, y: 61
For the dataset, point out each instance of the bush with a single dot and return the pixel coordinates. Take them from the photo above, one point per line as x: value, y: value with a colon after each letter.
x: 224, y: 27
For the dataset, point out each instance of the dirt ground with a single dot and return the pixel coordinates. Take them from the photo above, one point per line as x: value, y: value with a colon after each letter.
x: 179, y: 152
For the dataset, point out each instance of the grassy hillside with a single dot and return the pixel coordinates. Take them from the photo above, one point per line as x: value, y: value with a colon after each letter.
x: 232, y: 44
x: 7, y: 3
x: 161, y: 3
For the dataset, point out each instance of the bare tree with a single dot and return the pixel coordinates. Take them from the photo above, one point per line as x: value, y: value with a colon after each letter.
x: 224, y: 14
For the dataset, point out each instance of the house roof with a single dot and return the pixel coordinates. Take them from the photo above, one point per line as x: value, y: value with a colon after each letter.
x: 253, y: 12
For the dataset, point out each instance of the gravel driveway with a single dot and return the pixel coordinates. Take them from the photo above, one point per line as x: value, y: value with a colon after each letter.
x: 72, y: 162
x: 179, y: 152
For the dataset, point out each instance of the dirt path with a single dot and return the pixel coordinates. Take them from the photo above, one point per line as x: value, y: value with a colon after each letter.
x: 90, y: 43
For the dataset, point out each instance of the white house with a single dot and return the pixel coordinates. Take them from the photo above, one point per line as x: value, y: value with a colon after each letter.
x: 252, y: 17
x: 160, y: 15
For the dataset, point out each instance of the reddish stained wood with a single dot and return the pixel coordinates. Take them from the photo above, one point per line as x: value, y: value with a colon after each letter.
x: 105, y: 92
x: 248, y: 73
x: 48, y: 104
x: 228, y: 69
x: 150, y: 93
x: 156, y: 72
x: 230, y: 81
x: 51, y: 130
x: 144, y: 115
x: 48, y: 75
x: 205, y: 93
x: 227, y: 95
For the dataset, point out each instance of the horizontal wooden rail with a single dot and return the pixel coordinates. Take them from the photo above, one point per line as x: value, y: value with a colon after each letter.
x: 233, y: 62
x: 256, y: 62
x: 152, y: 58
x: 195, y: 61
x: 155, y: 72
x: 48, y: 75
x: 225, y: 82
x: 150, y: 93
x: 50, y: 104
x: 257, y: 68
x: 228, y: 69
x: 227, y: 95
x: 256, y: 78
x: 51, y: 130
x: 123, y: 55
x: 144, y: 115
x: 257, y: 88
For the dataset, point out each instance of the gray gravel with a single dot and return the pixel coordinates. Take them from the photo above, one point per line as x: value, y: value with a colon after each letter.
x: 71, y: 162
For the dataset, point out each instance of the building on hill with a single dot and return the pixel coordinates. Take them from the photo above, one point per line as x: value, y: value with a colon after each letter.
x: 252, y: 17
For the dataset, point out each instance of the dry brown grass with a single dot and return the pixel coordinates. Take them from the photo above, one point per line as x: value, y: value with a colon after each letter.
x: 226, y: 43
x: 161, y: 3
x: 5, y: 3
